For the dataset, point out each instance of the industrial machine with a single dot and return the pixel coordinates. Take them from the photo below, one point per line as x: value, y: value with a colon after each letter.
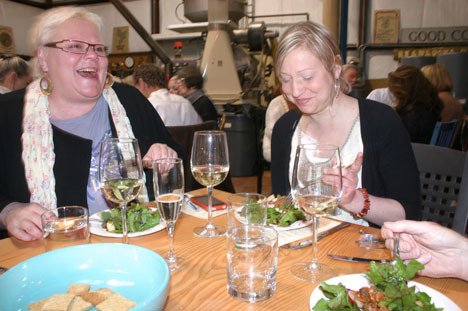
x: 235, y: 62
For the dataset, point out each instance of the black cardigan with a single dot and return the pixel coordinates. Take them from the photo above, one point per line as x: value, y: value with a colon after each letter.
x: 72, y: 153
x: 389, y: 168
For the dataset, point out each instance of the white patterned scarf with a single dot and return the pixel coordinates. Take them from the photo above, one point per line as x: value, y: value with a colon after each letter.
x: 38, y: 145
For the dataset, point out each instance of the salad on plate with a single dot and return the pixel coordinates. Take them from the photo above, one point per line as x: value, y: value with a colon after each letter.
x: 140, y: 220
x: 280, y: 213
x: 387, y: 289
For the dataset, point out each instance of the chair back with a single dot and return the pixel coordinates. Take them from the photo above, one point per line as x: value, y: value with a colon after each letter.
x: 183, y: 135
x: 444, y: 133
x: 442, y: 173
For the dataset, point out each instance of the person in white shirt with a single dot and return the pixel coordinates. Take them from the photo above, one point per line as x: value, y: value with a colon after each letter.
x: 173, y: 109
x: 382, y: 95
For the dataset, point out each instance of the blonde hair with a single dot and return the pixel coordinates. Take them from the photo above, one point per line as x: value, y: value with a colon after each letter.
x: 13, y: 64
x: 317, y: 39
x: 439, y: 77
x: 48, y: 22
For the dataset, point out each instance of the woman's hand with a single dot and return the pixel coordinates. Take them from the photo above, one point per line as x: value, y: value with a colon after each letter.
x: 158, y: 151
x: 441, y: 250
x: 23, y: 220
x: 350, y: 180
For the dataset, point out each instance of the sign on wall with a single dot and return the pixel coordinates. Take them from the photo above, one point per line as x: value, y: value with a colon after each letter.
x: 434, y: 35
x: 386, y: 26
x: 120, y: 40
x: 7, y: 43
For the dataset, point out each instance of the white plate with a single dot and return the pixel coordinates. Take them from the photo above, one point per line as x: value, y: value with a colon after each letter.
x: 97, y: 229
x: 356, y: 281
x: 295, y: 225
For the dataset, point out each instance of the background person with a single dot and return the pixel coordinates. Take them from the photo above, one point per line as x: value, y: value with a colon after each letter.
x: 416, y: 102
x: 173, y: 85
x: 15, y: 73
x: 375, y: 147
x: 53, y: 128
x: 173, y: 109
x: 191, y: 87
x: 440, y: 249
x: 382, y: 95
x: 439, y: 77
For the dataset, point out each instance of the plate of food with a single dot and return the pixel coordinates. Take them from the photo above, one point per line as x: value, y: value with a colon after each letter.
x: 141, y: 220
x: 284, y: 215
x: 384, y: 285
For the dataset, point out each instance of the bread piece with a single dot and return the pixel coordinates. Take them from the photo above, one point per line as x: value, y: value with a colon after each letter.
x: 78, y: 289
x: 37, y: 306
x: 58, y: 302
x: 116, y: 302
x: 79, y: 304
x: 97, y: 296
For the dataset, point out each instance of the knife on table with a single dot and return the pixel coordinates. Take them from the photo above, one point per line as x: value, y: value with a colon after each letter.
x: 308, y: 242
x: 356, y: 259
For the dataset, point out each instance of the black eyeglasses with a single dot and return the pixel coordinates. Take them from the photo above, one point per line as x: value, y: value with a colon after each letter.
x: 79, y: 47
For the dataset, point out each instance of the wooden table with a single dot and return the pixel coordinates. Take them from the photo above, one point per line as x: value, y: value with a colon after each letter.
x: 202, y: 286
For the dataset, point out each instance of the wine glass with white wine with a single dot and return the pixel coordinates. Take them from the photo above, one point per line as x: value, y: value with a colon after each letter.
x: 121, y: 174
x: 209, y: 163
x: 168, y: 181
x: 316, y: 187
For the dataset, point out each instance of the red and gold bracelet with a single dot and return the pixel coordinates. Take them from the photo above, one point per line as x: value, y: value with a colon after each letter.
x: 367, y: 204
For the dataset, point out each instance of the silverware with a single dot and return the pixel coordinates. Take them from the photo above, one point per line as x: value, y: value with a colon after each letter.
x: 189, y: 203
x: 356, y: 259
x: 320, y: 236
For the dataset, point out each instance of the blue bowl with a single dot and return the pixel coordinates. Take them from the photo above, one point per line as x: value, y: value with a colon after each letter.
x: 137, y: 273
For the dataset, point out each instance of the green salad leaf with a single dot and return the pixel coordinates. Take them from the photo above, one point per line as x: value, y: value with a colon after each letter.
x: 284, y: 215
x: 391, y: 280
x: 278, y: 214
x: 139, y: 218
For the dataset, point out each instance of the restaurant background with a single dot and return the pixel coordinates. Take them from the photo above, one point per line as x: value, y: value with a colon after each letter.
x: 419, y: 14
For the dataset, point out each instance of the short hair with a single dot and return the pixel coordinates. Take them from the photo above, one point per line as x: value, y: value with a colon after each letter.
x: 13, y: 64
x: 191, y: 77
x: 315, y: 38
x: 48, y: 22
x: 151, y: 74
x: 411, y: 88
x: 439, y: 77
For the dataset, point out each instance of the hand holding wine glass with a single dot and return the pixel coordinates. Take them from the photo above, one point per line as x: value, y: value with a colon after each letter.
x: 210, y: 165
x: 121, y: 174
x: 317, y: 193
x: 168, y: 178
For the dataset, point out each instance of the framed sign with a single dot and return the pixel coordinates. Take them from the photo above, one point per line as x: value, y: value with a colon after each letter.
x: 386, y: 26
x: 7, y: 44
x: 120, y: 40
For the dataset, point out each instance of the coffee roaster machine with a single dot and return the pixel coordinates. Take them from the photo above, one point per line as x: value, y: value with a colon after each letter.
x: 236, y: 63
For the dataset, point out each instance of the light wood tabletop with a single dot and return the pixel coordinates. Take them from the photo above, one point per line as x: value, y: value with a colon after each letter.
x: 202, y: 285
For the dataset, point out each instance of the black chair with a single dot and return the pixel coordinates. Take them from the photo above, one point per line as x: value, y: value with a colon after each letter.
x: 443, y: 174
x: 183, y: 135
x: 444, y: 133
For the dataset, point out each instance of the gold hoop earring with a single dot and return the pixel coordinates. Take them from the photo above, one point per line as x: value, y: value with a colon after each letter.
x: 109, y: 81
x: 46, y: 86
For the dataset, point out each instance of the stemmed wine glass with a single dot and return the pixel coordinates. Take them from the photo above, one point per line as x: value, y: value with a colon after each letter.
x: 316, y: 187
x: 168, y: 180
x: 210, y: 165
x: 121, y: 174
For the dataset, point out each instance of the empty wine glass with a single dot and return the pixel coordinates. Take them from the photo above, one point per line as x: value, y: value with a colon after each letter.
x: 168, y: 180
x: 210, y: 165
x: 316, y: 187
x: 121, y: 174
